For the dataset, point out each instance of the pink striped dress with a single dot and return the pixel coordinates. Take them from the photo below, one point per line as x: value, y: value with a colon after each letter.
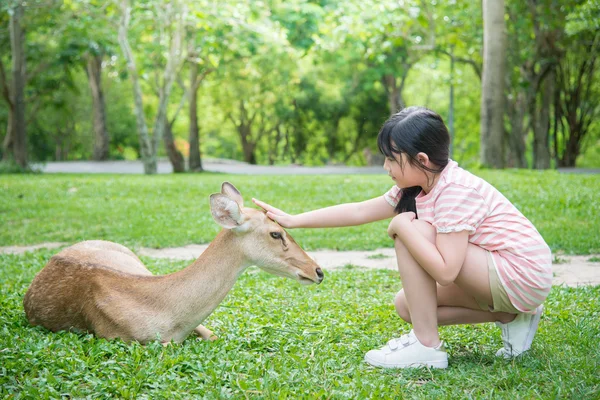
x: 462, y: 201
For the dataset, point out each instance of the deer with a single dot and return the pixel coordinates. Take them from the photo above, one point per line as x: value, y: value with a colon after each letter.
x: 103, y: 288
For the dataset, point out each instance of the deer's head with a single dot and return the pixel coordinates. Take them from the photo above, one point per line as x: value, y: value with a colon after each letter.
x: 264, y: 243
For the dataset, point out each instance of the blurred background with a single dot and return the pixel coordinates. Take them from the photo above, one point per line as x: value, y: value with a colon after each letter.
x: 297, y: 81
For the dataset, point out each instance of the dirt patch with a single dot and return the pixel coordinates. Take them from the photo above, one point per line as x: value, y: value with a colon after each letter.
x: 25, y: 249
x: 568, y: 270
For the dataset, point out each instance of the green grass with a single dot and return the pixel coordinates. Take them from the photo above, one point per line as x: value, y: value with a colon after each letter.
x: 279, y: 339
x: 172, y: 210
x: 377, y: 256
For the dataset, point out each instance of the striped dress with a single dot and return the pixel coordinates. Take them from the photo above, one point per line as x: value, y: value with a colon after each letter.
x: 462, y: 201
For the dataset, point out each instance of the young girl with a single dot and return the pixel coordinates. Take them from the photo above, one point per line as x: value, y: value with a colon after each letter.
x: 465, y: 254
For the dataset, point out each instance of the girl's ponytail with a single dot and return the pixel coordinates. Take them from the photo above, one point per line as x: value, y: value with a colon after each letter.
x: 407, y: 200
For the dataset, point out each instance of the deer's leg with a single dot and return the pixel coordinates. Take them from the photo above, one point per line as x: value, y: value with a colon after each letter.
x: 205, y: 333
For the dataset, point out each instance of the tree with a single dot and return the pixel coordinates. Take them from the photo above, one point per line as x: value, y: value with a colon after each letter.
x: 576, y: 100
x: 88, y: 42
x: 171, y: 15
x: 94, y: 74
x: 577, y: 94
x: 492, y: 91
x: 15, y: 141
x: 388, y: 37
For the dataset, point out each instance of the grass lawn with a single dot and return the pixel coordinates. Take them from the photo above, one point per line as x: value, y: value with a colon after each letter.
x: 172, y: 210
x: 279, y: 339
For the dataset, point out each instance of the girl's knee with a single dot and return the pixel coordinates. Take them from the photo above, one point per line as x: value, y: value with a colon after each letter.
x: 425, y: 228
x: 401, y: 306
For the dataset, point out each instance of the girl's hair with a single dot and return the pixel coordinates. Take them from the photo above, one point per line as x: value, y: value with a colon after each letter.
x: 412, y: 131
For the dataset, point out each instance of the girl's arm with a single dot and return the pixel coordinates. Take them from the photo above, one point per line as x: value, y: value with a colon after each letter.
x: 348, y: 214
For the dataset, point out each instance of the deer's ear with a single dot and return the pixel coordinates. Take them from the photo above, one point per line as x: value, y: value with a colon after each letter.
x: 226, y: 211
x: 229, y: 190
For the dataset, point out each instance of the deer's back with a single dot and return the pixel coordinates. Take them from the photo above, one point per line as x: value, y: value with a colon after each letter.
x: 69, y: 292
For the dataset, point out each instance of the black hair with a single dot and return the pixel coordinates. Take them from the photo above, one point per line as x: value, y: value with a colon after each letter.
x: 412, y: 131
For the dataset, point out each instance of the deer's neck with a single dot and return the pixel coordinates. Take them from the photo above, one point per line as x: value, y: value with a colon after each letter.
x: 191, y: 294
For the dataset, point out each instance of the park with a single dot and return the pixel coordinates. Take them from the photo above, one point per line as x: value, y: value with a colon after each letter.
x: 125, y: 121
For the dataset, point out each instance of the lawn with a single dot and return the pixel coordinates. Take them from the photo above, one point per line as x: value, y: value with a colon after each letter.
x: 172, y: 210
x: 279, y: 339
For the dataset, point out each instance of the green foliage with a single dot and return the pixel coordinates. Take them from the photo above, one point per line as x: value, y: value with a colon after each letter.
x: 279, y: 339
x: 163, y: 211
x: 585, y: 17
x: 313, y: 72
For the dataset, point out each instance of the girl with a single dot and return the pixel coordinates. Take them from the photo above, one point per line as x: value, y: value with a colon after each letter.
x: 465, y: 254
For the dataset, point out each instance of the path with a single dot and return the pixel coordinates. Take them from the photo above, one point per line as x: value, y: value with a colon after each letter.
x: 568, y: 270
x: 224, y: 166
x: 215, y: 165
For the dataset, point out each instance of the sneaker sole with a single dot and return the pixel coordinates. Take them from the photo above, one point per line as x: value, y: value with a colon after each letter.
x: 432, y: 364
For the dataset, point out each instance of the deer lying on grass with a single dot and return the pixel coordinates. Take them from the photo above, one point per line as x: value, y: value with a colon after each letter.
x: 103, y: 287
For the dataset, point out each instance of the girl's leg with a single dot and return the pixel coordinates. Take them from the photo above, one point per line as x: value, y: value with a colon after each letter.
x: 420, y: 295
x: 452, y: 304
x: 455, y: 307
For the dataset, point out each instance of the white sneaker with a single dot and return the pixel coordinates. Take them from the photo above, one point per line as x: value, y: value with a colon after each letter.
x: 518, y: 334
x: 408, y: 352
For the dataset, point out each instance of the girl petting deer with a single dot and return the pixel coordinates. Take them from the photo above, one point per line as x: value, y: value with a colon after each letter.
x: 465, y: 254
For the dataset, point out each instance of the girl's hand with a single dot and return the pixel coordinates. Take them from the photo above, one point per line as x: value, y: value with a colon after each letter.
x: 400, y: 222
x: 282, y: 218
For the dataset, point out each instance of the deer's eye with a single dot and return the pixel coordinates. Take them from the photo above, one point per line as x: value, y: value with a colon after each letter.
x: 276, y: 235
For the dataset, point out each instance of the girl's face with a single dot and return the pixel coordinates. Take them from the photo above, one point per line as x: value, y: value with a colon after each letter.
x: 403, y: 172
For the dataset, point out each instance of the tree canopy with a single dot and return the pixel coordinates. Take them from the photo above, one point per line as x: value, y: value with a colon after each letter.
x: 296, y: 81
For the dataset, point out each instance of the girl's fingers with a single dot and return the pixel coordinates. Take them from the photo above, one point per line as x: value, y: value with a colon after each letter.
x: 261, y: 204
x: 265, y: 206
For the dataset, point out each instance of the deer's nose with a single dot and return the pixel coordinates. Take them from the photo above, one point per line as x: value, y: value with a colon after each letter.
x: 319, y: 272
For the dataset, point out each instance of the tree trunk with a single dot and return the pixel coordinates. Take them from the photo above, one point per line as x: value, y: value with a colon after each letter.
x: 274, y: 144
x: 541, y: 129
x: 195, y: 158
x: 248, y: 146
x: 175, y: 157
x: 393, y: 94
x: 15, y: 143
x: 101, y: 140
x: 492, y: 91
x: 244, y: 129
x: 148, y: 152
x: 161, y: 122
x: 7, y: 144
x: 516, y: 138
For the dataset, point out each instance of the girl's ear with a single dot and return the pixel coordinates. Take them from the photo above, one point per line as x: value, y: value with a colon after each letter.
x: 423, y: 159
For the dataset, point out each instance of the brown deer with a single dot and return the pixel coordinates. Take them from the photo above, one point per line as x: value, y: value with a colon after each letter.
x: 103, y: 287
